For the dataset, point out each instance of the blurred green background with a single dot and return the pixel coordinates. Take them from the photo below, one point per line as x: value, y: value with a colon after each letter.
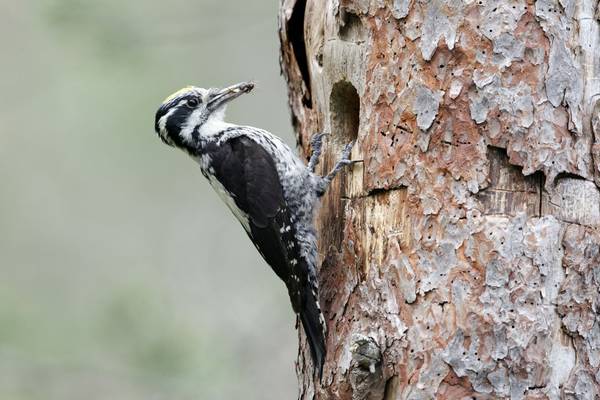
x: 122, y: 276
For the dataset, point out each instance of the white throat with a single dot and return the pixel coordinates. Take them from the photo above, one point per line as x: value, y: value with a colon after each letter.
x: 214, y: 124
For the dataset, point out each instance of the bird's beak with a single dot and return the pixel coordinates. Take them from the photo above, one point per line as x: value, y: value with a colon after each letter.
x: 223, y: 96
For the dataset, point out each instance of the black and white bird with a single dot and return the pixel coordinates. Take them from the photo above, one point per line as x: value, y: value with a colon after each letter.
x: 266, y: 186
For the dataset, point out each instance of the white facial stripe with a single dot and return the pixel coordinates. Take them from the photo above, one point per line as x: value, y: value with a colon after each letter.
x: 162, y: 122
x: 192, y: 122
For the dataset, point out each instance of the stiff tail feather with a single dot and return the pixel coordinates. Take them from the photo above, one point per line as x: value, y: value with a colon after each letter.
x: 313, y: 324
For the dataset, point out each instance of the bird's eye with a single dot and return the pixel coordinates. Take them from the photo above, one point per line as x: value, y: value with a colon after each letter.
x: 193, y: 102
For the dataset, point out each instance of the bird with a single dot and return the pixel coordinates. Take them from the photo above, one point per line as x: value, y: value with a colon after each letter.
x: 269, y: 189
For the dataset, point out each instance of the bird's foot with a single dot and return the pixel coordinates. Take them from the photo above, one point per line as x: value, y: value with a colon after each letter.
x: 316, y: 144
x: 344, y: 160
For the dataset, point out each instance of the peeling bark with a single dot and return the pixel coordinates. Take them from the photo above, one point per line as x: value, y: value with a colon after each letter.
x: 461, y: 254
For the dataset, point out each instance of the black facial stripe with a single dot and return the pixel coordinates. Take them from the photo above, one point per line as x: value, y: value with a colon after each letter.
x: 175, y: 121
x: 164, y: 109
x: 159, y: 114
x: 196, y: 133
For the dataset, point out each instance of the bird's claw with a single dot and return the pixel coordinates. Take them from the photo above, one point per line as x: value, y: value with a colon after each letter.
x: 317, y: 139
x: 347, y: 150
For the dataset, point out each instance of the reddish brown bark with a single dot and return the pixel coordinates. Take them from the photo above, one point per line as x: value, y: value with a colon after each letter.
x: 461, y: 255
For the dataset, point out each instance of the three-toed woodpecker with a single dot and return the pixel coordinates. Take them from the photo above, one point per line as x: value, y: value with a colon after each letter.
x: 266, y: 186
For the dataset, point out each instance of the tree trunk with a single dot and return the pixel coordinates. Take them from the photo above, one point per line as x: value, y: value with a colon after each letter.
x: 460, y: 258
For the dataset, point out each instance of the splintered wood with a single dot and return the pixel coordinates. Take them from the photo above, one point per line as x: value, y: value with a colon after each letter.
x: 461, y: 253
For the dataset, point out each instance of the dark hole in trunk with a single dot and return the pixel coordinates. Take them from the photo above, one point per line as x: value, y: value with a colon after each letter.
x: 295, y: 33
x: 351, y: 28
x: 345, y: 112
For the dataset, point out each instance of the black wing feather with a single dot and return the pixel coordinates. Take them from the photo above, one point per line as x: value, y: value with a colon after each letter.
x: 263, y: 188
x: 248, y: 173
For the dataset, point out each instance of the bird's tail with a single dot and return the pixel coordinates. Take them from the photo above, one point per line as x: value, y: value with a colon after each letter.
x: 314, y: 327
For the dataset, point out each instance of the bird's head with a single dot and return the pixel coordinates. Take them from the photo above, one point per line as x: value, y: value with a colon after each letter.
x: 187, y: 113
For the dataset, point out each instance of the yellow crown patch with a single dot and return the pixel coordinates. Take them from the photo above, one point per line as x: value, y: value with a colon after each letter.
x: 178, y: 93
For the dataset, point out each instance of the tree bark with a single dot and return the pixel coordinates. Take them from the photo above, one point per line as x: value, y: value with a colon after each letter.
x: 461, y: 255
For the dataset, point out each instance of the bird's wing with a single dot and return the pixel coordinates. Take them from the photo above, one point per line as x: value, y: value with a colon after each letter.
x: 248, y: 174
